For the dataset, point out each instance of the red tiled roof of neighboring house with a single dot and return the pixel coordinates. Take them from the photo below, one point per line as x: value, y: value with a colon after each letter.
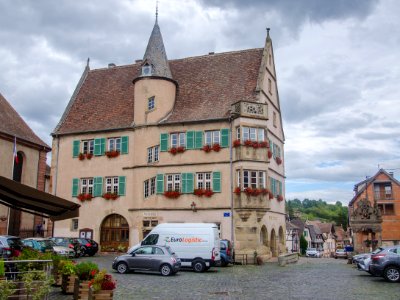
x: 207, y: 87
x: 13, y: 125
x: 325, y: 227
x: 340, y: 233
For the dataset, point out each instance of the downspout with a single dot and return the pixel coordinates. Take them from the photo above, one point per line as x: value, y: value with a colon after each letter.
x: 56, y: 178
x: 231, y: 179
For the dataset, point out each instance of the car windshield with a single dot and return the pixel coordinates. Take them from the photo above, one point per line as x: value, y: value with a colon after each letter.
x: 377, y: 250
x: 340, y: 250
x: 311, y: 249
x: 15, y: 242
x: 83, y: 241
x: 46, y: 244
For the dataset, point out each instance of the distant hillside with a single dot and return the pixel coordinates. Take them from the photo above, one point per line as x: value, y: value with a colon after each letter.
x: 317, y: 210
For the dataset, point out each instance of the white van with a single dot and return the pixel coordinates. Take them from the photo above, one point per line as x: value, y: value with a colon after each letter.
x: 196, y: 244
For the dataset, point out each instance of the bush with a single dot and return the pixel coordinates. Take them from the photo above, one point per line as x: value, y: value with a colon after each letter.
x: 303, y: 244
x: 86, y: 270
x: 67, y: 267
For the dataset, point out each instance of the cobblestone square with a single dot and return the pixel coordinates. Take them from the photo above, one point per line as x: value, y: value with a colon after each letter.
x: 318, y: 278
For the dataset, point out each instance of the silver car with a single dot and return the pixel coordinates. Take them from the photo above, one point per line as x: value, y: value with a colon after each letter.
x: 363, y: 260
x: 148, y: 258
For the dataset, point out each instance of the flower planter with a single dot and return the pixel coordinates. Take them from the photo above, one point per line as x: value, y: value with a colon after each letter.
x: 85, y: 197
x: 237, y: 191
x: 109, y: 196
x: 207, y: 148
x: 278, y: 160
x: 102, y: 294
x: 81, y: 156
x: 216, y: 147
x: 269, y: 154
x: 279, y: 198
x: 68, y: 284
x: 172, y: 194
x: 113, y: 153
x: 180, y: 149
x: 81, y: 289
x: 236, y: 143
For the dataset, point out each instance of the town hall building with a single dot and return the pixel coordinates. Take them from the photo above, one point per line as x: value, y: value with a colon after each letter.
x: 197, y: 139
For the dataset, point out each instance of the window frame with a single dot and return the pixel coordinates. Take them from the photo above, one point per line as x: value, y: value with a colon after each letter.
x: 204, y: 180
x: 151, y: 103
x: 255, y: 179
x: 173, y: 179
x: 180, y: 139
x: 86, y: 187
x: 88, y: 146
x: 117, y: 144
x: 112, y: 187
x: 254, y: 134
x: 212, y: 137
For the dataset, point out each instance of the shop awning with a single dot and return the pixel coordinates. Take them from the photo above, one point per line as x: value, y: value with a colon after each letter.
x: 25, y: 198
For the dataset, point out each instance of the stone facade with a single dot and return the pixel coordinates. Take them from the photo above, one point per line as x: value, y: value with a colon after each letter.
x: 202, y: 145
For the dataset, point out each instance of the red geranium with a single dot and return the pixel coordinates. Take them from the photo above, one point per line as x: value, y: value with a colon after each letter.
x: 81, y: 156
x: 279, y: 198
x: 237, y: 191
x: 278, y: 160
x: 236, y: 143
x: 172, y: 194
x: 199, y: 192
x: 173, y: 150
x: 208, y: 193
x: 180, y: 149
x: 206, y: 148
x: 263, y: 144
x: 248, y: 191
x: 269, y: 154
x: 89, y: 155
x: 248, y: 143
x: 216, y: 147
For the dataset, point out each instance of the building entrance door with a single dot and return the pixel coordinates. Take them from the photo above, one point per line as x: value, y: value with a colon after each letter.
x: 114, y: 233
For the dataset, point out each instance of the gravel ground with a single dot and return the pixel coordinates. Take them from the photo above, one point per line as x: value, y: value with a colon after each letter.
x: 310, y: 278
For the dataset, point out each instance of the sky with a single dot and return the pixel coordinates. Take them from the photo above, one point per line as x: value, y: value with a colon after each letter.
x: 337, y: 65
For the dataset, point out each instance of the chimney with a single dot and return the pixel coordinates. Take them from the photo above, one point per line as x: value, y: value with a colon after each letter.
x: 211, y: 53
x: 138, y: 61
x: 111, y: 65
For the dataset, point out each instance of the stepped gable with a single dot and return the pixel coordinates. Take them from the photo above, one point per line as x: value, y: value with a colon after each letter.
x: 207, y: 86
x: 13, y: 125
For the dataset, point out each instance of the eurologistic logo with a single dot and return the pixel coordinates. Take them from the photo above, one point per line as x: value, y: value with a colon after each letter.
x: 188, y: 240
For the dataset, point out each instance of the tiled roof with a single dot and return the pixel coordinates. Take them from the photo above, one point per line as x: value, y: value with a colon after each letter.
x: 207, y: 86
x: 13, y: 125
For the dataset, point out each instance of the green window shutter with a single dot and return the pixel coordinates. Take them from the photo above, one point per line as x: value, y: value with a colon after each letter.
x: 198, y: 136
x: 225, y: 137
x: 121, y: 185
x: 160, y: 183
x: 190, y: 140
x: 98, y: 187
x: 270, y: 185
x: 76, y: 145
x: 187, y: 183
x: 124, y: 144
x: 102, y: 146
x: 97, y: 146
x: 216, y: 181
x: 270, y: 145
x: 163, y: 142
x: 75, y: 187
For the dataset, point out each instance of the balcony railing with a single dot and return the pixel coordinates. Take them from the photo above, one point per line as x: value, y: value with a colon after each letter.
x: 250, y: 109
x: 383, y: 196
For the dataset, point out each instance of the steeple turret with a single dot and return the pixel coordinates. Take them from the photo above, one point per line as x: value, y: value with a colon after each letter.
x: 155, y: 62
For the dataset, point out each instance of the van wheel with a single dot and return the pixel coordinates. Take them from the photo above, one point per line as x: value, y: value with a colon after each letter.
x: 199, y: 266
x: 122, y: 268
x: 165, y: 270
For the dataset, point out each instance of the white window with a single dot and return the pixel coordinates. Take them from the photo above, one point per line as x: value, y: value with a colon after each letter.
x: 238, y: 176
x: 261, y: 180
x: 88, y: 146
x: 151, y: 103
x: 173, y: 182
x: 253, y: 178
x: 203, y: 181
x: 149, y: 187
x: 114, y: 144
x: 238, y: 133
x: 112, y: 185
x: 212, y: 137
x: 178, y: 139
x: 146, y: 70
x: 253, y: 134
x: 87, y: 186
x: 152, y: 154
x: 74, y: 224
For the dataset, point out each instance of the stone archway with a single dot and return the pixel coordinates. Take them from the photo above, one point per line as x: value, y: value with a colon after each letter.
x: 264, y: 236
x: 114, y: 233
x: 281, y: 236
x: 272, y: 244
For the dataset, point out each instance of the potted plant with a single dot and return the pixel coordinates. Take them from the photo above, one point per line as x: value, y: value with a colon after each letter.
x: 180, y: 149
x: 206, y: 148
x: 271, y: 195
x: 248, y: 143
x: 208, y: 193
x: 85, y: 197
x: 263, y: 144
x: 7, y: 288
x: 85, y: 271
x: 236, y: 143
x: 89, y: 155
x: 216, y: 147
x: 109, y: 196
x: 81, y: 156
x: 248, y: 191
x: 68, y: 271
x: 199, y: 192
x: 172, y: 194
x: 269, y: 154
x: 173, y: 150
x: 255, y: 145
x: 56, y: 269
x: 102, y: 286
x: 237, y: 190
x: 278, y: 160
x: 279, y: 198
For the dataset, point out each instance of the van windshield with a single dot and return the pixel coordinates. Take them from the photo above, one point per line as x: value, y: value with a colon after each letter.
x: 151, y: 239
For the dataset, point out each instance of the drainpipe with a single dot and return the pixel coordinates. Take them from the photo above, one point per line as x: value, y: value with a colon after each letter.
x: 231, y: 178
x: 55, y: 178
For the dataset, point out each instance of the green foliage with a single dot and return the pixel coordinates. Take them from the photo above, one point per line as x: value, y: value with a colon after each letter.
x: 37, y: 284
x: 67, y: 267
x: 303, y: 244
x: 102, y: 281
x: 2, y: 269
x: 7, y: 289
x: 318, y: 209
x: 32, y: 254
x: 86, y: 270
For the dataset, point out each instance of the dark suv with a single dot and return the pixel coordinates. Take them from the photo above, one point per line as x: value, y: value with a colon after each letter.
x: 386, y: 263
x: 226, y: 253
x: 88, y: 247
x: 72, y: 243
x: 10, y: 246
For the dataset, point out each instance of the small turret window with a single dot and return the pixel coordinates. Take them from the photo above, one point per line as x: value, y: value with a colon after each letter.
x: 146, y: 70
x: 151, y: 103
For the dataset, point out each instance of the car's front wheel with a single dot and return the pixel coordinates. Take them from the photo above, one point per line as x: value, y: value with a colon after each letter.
x: 122, y: 268
x: 165, y: 270
x: 392, y: 274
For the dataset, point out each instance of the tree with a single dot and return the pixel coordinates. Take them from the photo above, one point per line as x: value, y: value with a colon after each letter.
x: 303, y: 244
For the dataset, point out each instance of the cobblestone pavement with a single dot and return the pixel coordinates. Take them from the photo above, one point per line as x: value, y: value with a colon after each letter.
x: 310, y: 278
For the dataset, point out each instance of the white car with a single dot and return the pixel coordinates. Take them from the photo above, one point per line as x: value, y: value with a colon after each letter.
x: 313, y: 252
x: 64, y: 251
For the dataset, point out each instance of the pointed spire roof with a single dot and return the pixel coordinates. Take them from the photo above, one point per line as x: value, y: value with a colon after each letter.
x: 155, y: 55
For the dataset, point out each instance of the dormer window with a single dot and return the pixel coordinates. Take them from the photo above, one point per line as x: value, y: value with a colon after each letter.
x: 146, y: 70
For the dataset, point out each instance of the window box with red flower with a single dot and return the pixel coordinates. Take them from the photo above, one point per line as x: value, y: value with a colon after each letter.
x: 89, y: 155
x: 173, y: 150
x: 236, y: 143
x: 248, y: 191
x: 199, y: 192
x: 237, y: 191
x: 81, y: 156
x: 263, y: 144
x: 172, y: 194
x: 112, y: 153
x: 216, y: 147
x: 208, y: 193
x: 279, y: 198
x: 248, y: 143
x: 278, y: 160
x: 207, y: 148
x: 85, y: 197
x: 180, y: 149
x: 102, y: 286
x: 109, y: 196
x: 269, y: 154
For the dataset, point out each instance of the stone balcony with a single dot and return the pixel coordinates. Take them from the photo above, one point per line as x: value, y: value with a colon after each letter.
x: 249, y: 153
x: 250, y: 109
x: 252, y: 202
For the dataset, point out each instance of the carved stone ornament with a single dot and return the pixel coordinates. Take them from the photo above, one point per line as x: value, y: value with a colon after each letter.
x: 365, y: 211
x: 244, y: 215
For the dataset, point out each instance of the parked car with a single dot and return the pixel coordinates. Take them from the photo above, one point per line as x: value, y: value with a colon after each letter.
x: 10, y: 246
x: 226, y: 253
x: 71, y: 243
x: 46, y: 245
x: 88, y: 247
x: 363, y: 260
x: 386, y: 263
x: 148, y: 258
x: 312, y: 252
x: 340, y: 253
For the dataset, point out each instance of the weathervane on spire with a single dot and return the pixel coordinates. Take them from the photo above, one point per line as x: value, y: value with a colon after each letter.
x: 156, y: 11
